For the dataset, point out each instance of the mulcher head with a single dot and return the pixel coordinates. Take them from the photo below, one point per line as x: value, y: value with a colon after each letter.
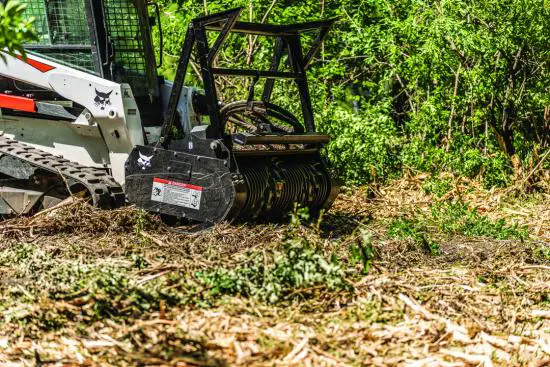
x: 254, y: 160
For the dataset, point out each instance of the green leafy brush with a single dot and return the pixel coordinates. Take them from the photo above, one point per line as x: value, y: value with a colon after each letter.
x: 457, y: 218
x: 453, y: 219
x: 407, y: 85
x: 415, y: 230
x: 297, y: 269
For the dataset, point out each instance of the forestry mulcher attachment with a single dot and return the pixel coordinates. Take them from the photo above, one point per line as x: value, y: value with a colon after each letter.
x: 84, y: 112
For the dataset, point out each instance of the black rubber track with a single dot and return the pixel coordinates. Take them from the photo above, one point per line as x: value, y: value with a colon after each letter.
x: 104, y: 191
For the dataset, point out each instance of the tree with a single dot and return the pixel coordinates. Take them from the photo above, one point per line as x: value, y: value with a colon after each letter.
x: 422, y: 85
x: 14, y: 28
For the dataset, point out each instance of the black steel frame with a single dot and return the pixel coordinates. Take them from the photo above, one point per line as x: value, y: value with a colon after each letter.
x: 287, y: 39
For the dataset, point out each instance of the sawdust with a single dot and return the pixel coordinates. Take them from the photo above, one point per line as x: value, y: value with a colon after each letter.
x: 481, y: 302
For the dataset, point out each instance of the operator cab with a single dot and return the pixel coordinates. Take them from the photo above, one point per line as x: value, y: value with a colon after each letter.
x: 110, y: 39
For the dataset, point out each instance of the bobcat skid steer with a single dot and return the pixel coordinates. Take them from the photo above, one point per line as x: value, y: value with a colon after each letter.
x: 85, y: 112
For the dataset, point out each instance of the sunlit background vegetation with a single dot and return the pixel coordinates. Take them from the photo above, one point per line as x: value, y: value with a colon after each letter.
x: 401, y: 86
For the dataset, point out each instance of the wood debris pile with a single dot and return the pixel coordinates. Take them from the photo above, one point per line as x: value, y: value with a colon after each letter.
x: 481, y: 302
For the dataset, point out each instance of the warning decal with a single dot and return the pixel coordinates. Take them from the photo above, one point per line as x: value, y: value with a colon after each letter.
x: 176, y: 193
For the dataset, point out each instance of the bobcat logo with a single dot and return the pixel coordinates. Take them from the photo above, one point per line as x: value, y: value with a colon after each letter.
x: 194, y: 199
x: 144, y: 162
x: 102, y: 100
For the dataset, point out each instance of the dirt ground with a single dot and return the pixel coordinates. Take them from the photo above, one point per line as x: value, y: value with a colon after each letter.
x: 81, y: 286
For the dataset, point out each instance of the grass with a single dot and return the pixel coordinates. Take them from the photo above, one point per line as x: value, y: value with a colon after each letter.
x: 451, y: 218
x: 459, y: 219
x: 366, y: 284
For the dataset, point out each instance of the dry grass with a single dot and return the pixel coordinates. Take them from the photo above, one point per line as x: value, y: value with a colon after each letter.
x: 481, y: 302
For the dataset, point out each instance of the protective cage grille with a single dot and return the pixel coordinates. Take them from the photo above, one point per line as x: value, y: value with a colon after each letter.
x: 63, y: 32
x: 63, y: 27
x: 125, y: 31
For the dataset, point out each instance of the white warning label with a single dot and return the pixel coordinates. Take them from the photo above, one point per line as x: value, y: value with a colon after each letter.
x: 176, y: 193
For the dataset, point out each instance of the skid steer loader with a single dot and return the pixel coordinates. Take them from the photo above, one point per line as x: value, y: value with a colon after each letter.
x: 86, y: 112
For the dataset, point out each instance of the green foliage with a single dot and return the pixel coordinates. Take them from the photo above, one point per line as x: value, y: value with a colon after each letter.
x: 363, y: 252
x: 298, y: 216
x: 437, y: 186
x: 294, y: 269
x: 415, y: 230
x: 142, y: 219
x: 365, y: 145
x: 434, y: 86
x: 457, y: 218
x: 14, y: 30
x: 454, y: 219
